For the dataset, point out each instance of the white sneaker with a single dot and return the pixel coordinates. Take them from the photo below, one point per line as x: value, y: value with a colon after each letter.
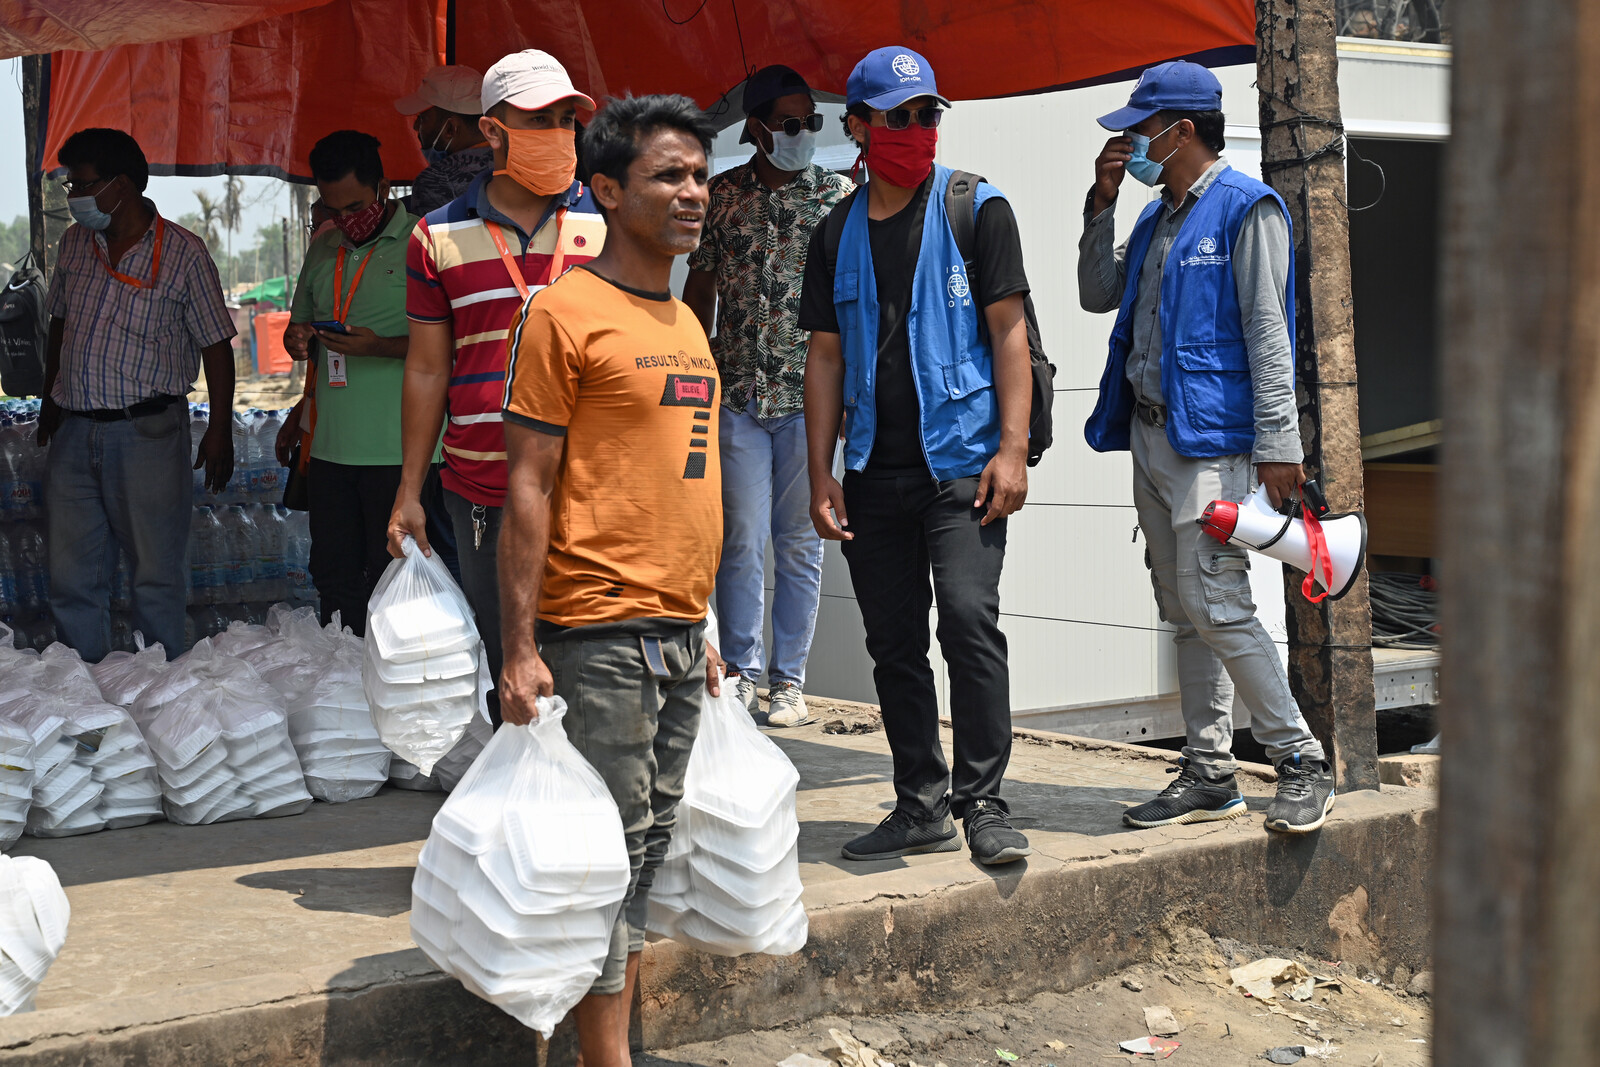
x: 746, y: 689
x: 786, y: 705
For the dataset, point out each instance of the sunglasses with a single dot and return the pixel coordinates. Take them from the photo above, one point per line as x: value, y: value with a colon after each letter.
x: 792, y: 127
x: 82, y: 188
x: 927, y: 117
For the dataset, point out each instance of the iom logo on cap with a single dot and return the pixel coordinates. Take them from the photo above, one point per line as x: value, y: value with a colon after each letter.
x: 905, y: 66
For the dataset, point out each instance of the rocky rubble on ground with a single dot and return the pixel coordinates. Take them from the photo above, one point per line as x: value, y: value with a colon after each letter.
x: 1317, y: 1011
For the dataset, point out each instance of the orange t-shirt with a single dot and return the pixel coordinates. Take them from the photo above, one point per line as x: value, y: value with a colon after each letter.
x: 628, y: 378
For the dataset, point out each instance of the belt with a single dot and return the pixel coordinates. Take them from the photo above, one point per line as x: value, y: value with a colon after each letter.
x: 1154, y: 414
x: 153, y: 406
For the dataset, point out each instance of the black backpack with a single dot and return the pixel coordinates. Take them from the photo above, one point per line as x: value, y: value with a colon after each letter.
x: 23, y: 327
x: 961, y: 207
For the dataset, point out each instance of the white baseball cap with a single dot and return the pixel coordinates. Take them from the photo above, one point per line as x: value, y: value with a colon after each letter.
x: 529, y: 80
x: 451, y: 88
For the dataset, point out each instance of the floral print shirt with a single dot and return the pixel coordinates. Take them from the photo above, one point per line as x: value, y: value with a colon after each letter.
x: 755, y: 242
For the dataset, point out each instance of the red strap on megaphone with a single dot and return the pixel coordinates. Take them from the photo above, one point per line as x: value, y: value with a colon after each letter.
x: 1317, y: 542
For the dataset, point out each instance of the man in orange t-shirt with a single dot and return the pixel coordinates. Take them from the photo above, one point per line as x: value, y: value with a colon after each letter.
x: 612, y: 527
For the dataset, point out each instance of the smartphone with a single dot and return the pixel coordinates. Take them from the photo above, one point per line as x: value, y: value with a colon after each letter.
x: 330, y: 326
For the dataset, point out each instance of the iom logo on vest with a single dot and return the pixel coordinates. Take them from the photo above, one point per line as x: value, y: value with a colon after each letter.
x: 956, y: 286
x: 1206, y: 254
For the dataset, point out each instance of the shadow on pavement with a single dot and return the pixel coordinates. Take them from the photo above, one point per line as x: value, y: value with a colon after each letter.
x: 394, y: 816
x: 380, y: 891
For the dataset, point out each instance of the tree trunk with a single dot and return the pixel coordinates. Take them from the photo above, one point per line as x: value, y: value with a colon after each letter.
x: 1302, y: 157
x: 1518, y: 929
x: 33, y: 78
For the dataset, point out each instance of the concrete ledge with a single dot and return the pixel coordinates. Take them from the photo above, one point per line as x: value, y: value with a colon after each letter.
x: 1359, y: 890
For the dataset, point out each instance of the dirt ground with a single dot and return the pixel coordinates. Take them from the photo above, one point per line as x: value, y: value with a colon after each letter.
x: 1350, y: 1022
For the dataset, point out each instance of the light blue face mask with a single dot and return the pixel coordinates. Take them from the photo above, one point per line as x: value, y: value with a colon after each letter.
x: 433, y: 153
x: 86, y: 212
x: 792, y: 152
x: 1141, y: 166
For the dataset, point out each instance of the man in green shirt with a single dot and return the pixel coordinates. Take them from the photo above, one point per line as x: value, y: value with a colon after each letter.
x: 354, y: 276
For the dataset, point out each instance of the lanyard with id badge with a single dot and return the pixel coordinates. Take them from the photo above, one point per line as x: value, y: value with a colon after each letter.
x: 338, y: 362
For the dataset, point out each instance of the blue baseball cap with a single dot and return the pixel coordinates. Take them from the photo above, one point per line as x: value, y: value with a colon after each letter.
x: 888, y: 77
x: 1176, y: 86
x: 767, y: 85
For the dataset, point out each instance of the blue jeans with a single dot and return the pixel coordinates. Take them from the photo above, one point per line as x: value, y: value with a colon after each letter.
x: 126, y: 485
x: 766, y: 493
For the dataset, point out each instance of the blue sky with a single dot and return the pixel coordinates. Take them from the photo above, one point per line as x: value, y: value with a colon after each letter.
x: 266, y: 199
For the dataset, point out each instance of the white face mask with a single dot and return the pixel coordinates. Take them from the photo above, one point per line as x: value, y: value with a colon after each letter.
x: 791, y: 152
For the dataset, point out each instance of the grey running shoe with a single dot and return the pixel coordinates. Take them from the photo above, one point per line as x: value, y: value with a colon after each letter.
x: 990, y: 835
x: 902, y: 835
x: 1305, y: 796
x: 786, y: 705
x: 1192, y: 797
x: 746, y: 688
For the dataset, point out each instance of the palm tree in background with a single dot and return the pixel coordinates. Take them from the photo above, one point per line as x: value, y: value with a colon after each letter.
x: 210, y: 216
x: 232, y: 212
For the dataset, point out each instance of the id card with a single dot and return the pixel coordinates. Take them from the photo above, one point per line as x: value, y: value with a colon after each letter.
x: 338, y: 373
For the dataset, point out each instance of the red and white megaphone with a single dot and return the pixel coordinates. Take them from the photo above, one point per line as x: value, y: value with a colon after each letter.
x: 1329, y: 548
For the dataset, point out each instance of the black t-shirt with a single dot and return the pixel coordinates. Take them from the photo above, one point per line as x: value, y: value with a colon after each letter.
x: 896, y: 245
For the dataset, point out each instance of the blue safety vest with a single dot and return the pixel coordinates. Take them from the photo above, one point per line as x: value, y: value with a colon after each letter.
x: 1205, y: 367
x: 951, y: 362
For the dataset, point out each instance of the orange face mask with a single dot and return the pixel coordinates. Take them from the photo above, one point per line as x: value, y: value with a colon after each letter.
x: 543, y: 161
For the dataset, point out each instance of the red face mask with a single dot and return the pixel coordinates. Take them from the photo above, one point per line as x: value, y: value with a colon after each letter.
x: 364, y: 223
x: 901, y: 157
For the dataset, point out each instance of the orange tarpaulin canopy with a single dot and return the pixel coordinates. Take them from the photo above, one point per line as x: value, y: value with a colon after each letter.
x: 249, y: 87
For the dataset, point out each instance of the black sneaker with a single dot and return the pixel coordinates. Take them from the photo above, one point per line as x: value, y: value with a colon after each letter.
x: 1305, y: 796
x: 902, y: 835
x: 1192, y: 797
x: 991, y: 836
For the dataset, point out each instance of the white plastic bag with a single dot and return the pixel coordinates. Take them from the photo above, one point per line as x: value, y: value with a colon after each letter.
x: 33, y: 926
x: 221, y: 741
x: 425, y: 673
x: 66, y: 796
x: 523, y: 874
x: 730, y: 883
x: 122, y: 676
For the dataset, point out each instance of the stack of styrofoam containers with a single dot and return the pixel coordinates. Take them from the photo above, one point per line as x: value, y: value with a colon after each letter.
x: 730, y: 883
x: 331, y: 726
x: 425, y: 674
x: 65, y: 795
x: 221, y: 741
x: 523, y: 875
x: 125, y: 768
x: 33, y: 926
x: 78, y: 733
x: 16, y: 780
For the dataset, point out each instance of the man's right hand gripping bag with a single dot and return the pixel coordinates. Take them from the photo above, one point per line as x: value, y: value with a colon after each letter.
x: 425, y: 673
x: 730, y: 883
x: 523, y: 875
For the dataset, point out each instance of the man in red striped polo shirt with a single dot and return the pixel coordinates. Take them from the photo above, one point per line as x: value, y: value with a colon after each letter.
x: 470, y: 267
